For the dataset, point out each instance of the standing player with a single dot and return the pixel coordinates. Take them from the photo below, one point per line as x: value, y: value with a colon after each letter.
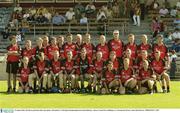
x: 109, y: 80
x: 132, y: 46
x: 27, y: 51
x: 60, y: 43
x: 127, y: 77
x: 89, y: 46
x: 78, y: 43
x: 45, y: 41
x: 103, y: 47
x: 12, y: 63
x: 116, y: 44
x: 159, y: 67
x: 84, y: 64
x: 146, y: 78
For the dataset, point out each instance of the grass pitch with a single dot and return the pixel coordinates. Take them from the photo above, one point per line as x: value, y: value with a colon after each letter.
x: 160, y: 100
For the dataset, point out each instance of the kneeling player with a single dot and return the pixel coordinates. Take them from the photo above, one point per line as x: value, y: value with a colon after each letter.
x: 24, y: 72
x: 127, y: 77
x: 109, y: 82
x: 146, y: 78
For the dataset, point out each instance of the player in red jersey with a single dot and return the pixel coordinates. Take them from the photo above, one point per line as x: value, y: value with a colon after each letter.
x: 27, y: 50
x: 24, y: 72
x: 103, y: 47
x: 78, y: 43
x: 69, y: 72
x: 159, y: 67
x: 132, y: 46
x: 116, y: 44
x: 146, y: 78
x: 70, y: 46
x: 141, y: 58
x: 41, y: 71
x: 89, y: 46
x: 45, y: 41
x: 127, y: 54
x: 56, y: 73
x: 115, y: 60
x: 109, y: 80
x: 51, y: 48
x: 84, y: 70
x: 98, y: 67
x: 144, y: 45
x: 12, y: 63
x: 127, y: 77
x: 60, y: 43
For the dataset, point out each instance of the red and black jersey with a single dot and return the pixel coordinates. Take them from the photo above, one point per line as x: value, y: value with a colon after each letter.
x: 41, y: 66
x: 68, y: 66
x: 84, y: 65
x: 108, y: 76
x: 105, y: 51
x: 24, y: 74
x: 145, y: 74
x: 132, y: 62
x: 146, y: 47
x: 126, y: 74
x: 78, y: 47
x: 27, y: 53
x: 116, y: 64
x: 98, y: 66
x: 116, y: 46
x: 162, y: 48
x: 55, y: 66
x: 139, y: 62
x: 13, y: 58
x: 49, y: 51
x: 158, y: 66
x: 90, y: 49
x: 133, y: 49
x: 36, y: 50
x: 69, y: 47
x: 61, y: 52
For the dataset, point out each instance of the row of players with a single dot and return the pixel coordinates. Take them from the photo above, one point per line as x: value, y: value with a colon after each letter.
x: 63, y: 66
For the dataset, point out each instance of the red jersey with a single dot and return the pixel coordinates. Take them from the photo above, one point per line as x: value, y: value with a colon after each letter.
x: 158, y: 66
x: 146, y: 47
x: 162, y: 48
x: 116, y: 46
x: 68, y: 66
x: 125, y: 74
x: 98, y: 66
x: 133, y: 49
x: 61, y: 52
x: 90, y: 49
x: 116, y: 64
x: 50, y: 51
x: 27, y: 53
x: 145, y: 74
x: 41, y: 66
x: 36, y: 50
x: 78, y: 47
x: 69, y: 47
x: 55, y: 66
x: 13, y: 58
x: 24, y: 74
x: 108, y: 76
x: 105, y: 51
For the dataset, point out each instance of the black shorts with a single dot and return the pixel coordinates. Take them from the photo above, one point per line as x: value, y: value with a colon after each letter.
x: 145, y: 84
x: 12, y: 67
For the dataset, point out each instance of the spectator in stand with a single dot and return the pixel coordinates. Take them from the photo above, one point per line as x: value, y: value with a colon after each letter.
x: 155, y: 26
x: 58, y: 19
x: 115, y: 10
x: 90, y: 8
x: 24, y: 26
x: 5, y: 34
x: 41, y: 19
x: 121, y: 7
x: 42, y: 10
x: 100, y: 14
x: 176, y: 45
x: 142, y: 6
x: 167, y: 4
x: 176, y: 34
x: 18, y: 8
x: 26, y: 14
x: 109, y: 13
x: 48, y: 15
x: 84, y: 19
x: 178, y: 5
x: 52, y: 10
x: 163, y: 12
x: 163, y: 27
x: 155, y: 5
x: 173, y: 12
x: 79, y: 9
x: 133, y: 5
x: 168, y: 38
x: 136, y: 16
x: 30, y: 18
x: 73, y: 21
x: 32, y: 10
x: 69, y: 14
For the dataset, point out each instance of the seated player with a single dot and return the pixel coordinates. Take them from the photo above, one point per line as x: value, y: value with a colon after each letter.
x: 69, y: 72
x: 84, y: 70
x: 146, y: 78
x: 41, y: 70
x: 109, y: 81
x: 127, y: 77
x: 128, y: 55
x: 98, y: 67
x: 24, y: 72
x: 159, y: 67
x: 56, y: 78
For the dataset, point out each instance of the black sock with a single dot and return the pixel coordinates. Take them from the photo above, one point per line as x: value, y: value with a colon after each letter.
x: 163, y: 87
x: 168, y: 88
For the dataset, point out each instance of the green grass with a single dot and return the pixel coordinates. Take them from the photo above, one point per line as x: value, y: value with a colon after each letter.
x: 170, y: 100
